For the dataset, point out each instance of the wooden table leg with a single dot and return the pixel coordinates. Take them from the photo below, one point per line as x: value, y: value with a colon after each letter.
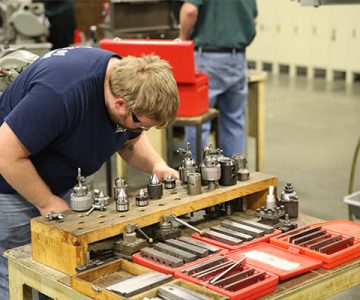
x: 22, y: 278
x: 17, y: 287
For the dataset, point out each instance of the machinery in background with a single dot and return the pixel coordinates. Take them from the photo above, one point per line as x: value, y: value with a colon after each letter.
x: 23, y: 36
x: 141, y: 19
x: 24, y: 26
x: 12, y: 62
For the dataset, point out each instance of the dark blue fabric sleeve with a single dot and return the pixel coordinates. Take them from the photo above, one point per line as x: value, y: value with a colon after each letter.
x: 133, y: 135
x: 39, y: 119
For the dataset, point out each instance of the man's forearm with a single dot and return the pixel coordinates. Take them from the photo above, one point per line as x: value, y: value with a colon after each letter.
x: 140, y: 154
x: 188, y: 17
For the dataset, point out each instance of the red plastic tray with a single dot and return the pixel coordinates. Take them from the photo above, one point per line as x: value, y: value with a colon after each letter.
x: 344, y: 227
x: 180, y: 55
x: 276, y: 260
x: 194, y: 98
x: 263, y: 239
x: 254, y: 291
x: 137, y: 258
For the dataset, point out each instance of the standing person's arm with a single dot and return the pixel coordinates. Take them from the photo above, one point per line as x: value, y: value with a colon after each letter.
x: 20, y: 173
x: 188, y: 18
x: 140, y: 154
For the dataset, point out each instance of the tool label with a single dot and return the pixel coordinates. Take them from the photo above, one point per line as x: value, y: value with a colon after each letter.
x: 272, y: 260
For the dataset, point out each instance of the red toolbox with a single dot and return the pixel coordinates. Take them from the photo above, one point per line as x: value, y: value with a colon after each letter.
x: 180, y: 55
x: 157, y: 266
x: 333, y: 242
x: 193, y: 87
x: 194, y: 98
x: 276, y: 260
x: 259, y: 282
x: 231, y: 248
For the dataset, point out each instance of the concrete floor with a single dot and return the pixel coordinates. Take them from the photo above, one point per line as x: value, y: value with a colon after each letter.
x: 312, y: 128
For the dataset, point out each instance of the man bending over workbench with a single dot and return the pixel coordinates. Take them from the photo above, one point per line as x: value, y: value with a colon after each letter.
x: 73, y: 108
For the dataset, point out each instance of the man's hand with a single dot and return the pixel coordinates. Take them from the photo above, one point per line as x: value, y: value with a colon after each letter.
x: 162, y: 171
x: 55, y: 204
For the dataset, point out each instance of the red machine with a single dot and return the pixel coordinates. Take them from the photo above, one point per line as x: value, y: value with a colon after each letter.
x: 193, y: 86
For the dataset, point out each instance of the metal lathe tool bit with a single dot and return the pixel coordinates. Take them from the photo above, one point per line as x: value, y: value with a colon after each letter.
x: 337, y: 246
x: 238, y: 235
x: 325, y: 242
x: 194, y: 183
x: 141, y: 198
x: 212, y: 249
x: 245, y: 282
x: 309, y: 236
x: 226, y: 239
x: 238, y: 265
x: 235, y: 277
x: 54, y: 216
x: 314, y: 240
x: 185, y: 256
x: 169, y: 182
x: 292, y: 232
x: 243, y: 228
x: 301, y: 233
x: 161, y: 258
x: 213, y: 270
x: 154, y: 188
x: 140, y: 283
x: 257, y: 225
x: 199, y: 252
x: 175, y: 292
x: 205, y: 265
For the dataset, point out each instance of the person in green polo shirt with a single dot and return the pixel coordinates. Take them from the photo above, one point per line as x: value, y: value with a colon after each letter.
x: 221, y: 31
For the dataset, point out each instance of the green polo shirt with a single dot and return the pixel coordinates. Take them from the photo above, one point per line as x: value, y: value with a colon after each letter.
x: 224, y: 23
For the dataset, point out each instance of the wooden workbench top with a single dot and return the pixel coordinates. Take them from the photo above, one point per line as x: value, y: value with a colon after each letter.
x: 77, y: 228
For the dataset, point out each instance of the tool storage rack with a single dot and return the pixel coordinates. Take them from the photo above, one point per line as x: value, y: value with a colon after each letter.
x: 63, y: 245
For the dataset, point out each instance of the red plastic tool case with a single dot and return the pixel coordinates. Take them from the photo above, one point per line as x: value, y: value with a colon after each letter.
x: 276, y: 260
x: 137, y: 258
x: 194, y: 98
x: 343, y: 227
x: 180, y: 55
x: 255, y: 241
x: 192, y: 86
x: 253, y: 291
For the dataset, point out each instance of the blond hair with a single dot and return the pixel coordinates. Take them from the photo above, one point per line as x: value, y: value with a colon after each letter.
x: 148, y: 86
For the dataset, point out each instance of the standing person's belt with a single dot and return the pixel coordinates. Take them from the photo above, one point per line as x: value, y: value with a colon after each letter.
x: 220, y: 50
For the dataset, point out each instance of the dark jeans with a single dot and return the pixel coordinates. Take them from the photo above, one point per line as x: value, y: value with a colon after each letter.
x: 15, y: 215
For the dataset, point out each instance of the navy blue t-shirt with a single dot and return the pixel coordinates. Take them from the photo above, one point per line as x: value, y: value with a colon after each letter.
x: 56, y: 108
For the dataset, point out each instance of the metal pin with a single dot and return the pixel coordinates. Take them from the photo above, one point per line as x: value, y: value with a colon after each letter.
x: 216, y: 278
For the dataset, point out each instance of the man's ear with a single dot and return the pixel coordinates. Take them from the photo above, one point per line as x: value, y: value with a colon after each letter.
x: 120, y: 104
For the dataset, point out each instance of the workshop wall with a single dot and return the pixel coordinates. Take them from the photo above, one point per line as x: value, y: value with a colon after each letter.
x: 308, y: 40
x: 89, y: 12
